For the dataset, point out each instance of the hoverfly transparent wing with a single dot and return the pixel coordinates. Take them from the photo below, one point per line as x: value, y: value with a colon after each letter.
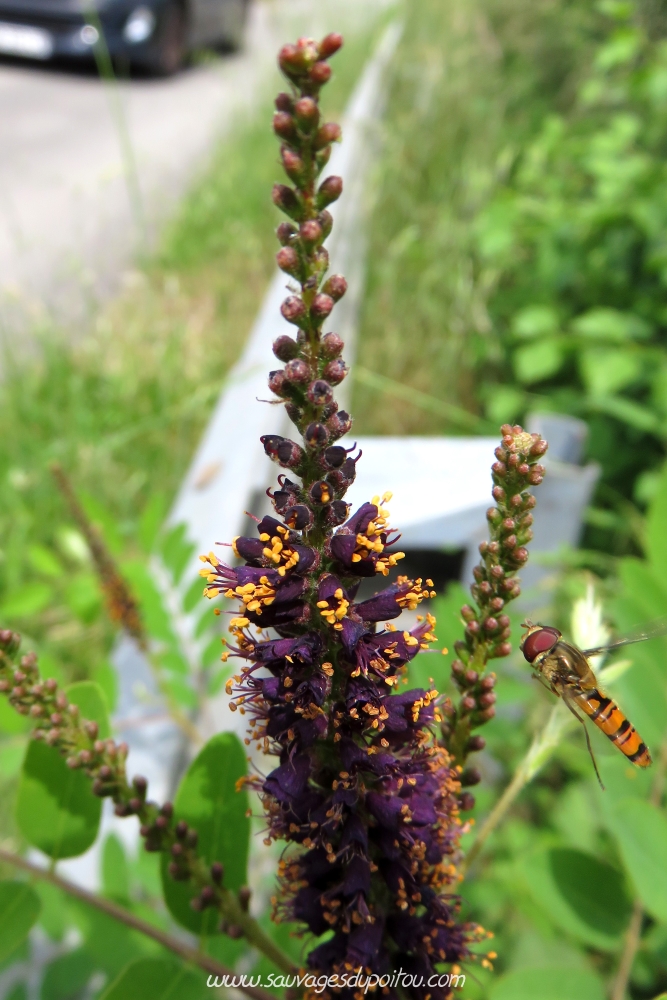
x: 652, y: 630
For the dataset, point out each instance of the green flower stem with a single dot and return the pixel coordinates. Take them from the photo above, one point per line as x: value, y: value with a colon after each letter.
x: 116, y: 912
x: 542, y: 747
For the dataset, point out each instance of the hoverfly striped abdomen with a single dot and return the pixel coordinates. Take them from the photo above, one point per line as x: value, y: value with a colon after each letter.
x: 608, y: 717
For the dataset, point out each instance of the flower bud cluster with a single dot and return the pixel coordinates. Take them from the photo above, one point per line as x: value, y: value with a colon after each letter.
x: 487, y: 626
x: 366, y: 799
x: 312, y: 362
x: 58, y: 723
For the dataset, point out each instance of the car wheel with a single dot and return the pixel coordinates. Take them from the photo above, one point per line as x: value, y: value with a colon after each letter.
x: 235, y: 14
x: 170, y: 44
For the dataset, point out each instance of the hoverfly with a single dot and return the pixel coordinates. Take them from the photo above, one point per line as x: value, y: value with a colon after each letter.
x: 564, y: 669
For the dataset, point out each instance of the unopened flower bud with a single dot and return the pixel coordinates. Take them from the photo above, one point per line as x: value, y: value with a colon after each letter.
x: 334, y: 456
x: 207, y: 897
x: 297, y: 371
x: 299, y: 517
x: 331, y: 345
x: 284, y: 102
x: 338, y: 512
x: 217, y: 872
x: 292, y: 60
x: 315, y: 435
x: 286, y: 232
x: 284, y: 125
x: 339, y: 424
x: 320, y: 492
x: 285, y: 348
x: 141, y: 784
x: 335, y: 286
x: 322, y: 306
x: 311, y: 232
x: 486, y: 715
x: 475, y: 743
x: 293, y: 309
x: 329, y: 191
x: 503, y: 649
x: 278, y: 383
x: 292, y: 163
x: 288, y: 261
x: 320, y: 73
x: 307, y: 113
x: 326, y: 134
x: 286, y: 200
x: 471, y: 776
x: 466, y: 802
x: 335, y: 371
x: 319, y: 392
x: 325, y: 220
x: 289, y: 454
x: 329, y: 45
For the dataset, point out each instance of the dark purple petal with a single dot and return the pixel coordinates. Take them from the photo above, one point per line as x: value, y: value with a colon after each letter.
x: 357, y: 877
x: 250, y: 549
x: 351, y: 633
x: 289, y: 780
x: 383, y: 606
x: 361, y: 518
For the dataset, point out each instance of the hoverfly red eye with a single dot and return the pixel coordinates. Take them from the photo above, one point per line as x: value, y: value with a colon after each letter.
x: 540, y: 641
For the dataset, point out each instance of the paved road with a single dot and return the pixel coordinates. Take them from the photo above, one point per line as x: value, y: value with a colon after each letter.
x: 67, y: 225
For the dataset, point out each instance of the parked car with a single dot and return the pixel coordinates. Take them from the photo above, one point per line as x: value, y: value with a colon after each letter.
x: 154, y: 34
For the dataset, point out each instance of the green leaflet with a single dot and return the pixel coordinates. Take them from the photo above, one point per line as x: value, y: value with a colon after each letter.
x: 157, y: 979
x: 583, y: 896
x: 641, y: 832
x: 208, y: 800
x: 19, y: 910
x: 55, y: 809
x: 67, y: 975
x: 552, y: 983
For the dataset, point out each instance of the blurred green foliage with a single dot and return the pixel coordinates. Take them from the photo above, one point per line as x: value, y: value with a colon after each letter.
x: 572, y: 247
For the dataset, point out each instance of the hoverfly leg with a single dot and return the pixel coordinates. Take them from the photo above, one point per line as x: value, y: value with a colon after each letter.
x: 544, y: 682
x: 588, y: 739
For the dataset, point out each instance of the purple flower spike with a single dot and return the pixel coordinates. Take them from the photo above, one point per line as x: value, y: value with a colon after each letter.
x: 362, y: 791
